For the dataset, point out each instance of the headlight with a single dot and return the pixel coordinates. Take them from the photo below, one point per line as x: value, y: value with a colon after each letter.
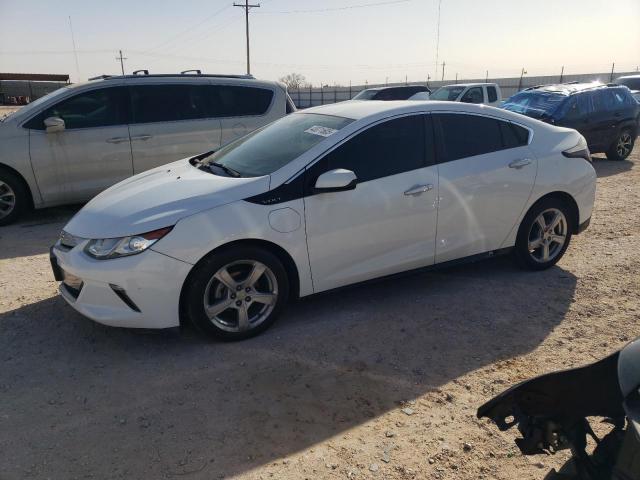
x: 105, y: 248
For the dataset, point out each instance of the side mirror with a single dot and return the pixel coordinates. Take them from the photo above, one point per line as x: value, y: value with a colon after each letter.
x: 336, y: 181
x: 54, y: 124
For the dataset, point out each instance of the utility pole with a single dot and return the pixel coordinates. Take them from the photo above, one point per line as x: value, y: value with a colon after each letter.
x: 246, y: 7
x: 122, y: 59
x: 561, y: 74
x: 613, y: 66
x: 486, y: 77
x: 522, y: 73
x: 443, y: 64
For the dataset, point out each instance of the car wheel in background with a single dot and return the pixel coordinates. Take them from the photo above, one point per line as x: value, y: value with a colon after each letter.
x: 14, y: 197
x: 544, y: 235
x: 236, y: 293
x: 622, y: 146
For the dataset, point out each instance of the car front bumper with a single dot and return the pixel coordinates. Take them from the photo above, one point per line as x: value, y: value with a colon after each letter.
x: 139, y: 291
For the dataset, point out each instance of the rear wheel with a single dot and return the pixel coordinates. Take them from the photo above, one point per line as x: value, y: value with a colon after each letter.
x: 236, y: 294
x: 14, y: 197
x: 622, y: 146
x: 544, y: 235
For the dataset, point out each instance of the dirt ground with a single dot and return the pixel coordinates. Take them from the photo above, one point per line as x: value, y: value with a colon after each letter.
x: 320, y: 395
x: 7, y: 109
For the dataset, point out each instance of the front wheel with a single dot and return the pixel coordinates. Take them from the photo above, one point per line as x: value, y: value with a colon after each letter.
x: 14, y: 198
x: 236, y: 293
x: 544, y: 235
x: 622, y: 146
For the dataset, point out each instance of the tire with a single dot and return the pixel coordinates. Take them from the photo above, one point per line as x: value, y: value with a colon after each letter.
x: 232, y: 311
x: 622, y: 146
x: 532, y: 237
x: 14, y: 197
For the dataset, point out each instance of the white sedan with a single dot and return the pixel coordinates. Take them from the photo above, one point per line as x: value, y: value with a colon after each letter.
x: 320, y: 199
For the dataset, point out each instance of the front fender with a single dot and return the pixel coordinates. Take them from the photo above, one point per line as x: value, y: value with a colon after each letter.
x: 283, y: 224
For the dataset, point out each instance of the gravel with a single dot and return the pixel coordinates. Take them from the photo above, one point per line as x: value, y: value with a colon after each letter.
x: 79, y: 400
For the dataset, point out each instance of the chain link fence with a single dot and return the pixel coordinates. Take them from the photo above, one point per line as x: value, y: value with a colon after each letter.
x: 313, y: 96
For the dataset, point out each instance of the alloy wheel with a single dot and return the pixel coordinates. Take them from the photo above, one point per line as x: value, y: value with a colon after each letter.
x: 624, y: 145
x: 241, y: 295
x: 7, y: 199
x: 547, y: 235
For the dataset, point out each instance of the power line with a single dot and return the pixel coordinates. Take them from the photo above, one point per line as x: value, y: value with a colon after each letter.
x: 247, y: 7
x: 348, y: 7
x: 190, y: 29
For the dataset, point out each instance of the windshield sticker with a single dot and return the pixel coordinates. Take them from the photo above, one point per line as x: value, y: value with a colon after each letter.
x: 322, y: 131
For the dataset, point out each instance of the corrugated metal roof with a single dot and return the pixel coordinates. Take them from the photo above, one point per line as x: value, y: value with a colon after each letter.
x: 50, y: 77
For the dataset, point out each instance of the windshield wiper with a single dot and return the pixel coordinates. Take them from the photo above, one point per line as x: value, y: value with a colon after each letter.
x: 228, y: 170
x: 201, y: 156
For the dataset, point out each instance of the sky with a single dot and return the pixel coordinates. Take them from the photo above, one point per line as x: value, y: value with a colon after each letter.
x: 328, y: 41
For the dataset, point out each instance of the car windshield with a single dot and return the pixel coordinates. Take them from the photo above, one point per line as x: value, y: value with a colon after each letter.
x: 446, y: 93
x: 632, y: 83
x: 535, y: 103
x: 269, y: 148
x: 366, y: 95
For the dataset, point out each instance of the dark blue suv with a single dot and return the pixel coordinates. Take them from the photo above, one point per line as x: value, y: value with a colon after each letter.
x: 606, y: 115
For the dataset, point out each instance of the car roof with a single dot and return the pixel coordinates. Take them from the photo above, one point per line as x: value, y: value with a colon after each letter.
x: 179, y: 77
x: 468, y: 84
x: 359, y: 110
x: 377, y: 89
x: 570, y: 88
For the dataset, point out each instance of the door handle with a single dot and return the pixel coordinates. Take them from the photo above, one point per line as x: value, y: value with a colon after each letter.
x: 523, y: 162
x: 143, y: 138
x: 117, y: 139
x: 419, y: 189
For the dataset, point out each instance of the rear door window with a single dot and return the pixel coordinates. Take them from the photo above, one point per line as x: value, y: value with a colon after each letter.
x: 462, y: 135
x: 102, y: 107
x: 578, y: 106
x: 601, y: 101
x: 168, y: 103
x: 492, y: 94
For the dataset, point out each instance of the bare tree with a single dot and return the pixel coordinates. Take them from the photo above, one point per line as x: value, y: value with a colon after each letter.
x: 295, y: 81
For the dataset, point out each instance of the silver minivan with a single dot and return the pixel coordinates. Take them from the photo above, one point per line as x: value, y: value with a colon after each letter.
x: 70, y: 145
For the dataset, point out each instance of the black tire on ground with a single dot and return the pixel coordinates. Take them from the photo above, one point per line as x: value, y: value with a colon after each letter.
x: 12, y: 191
x: 530, y: 231
x: 622, y: 147
x: 202, y: 274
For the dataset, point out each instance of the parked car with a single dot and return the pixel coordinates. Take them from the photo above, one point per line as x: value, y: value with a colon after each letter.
x: 606, y: 115
x: 404, y: 92
x: 632, y: 82
x: 552, y: 413
x: 73, y: 143
x: 487, y: 93
x: 323, y: 198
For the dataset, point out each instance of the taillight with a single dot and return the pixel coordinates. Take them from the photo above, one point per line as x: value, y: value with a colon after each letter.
x: 581, y: 150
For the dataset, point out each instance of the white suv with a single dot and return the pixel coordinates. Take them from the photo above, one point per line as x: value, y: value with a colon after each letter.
x: 70, y: 145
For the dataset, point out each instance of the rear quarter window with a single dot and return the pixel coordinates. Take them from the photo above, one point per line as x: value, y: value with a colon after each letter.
x: 240, y: 101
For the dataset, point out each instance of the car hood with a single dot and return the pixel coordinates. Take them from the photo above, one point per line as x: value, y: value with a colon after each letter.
x: 159, y: 198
